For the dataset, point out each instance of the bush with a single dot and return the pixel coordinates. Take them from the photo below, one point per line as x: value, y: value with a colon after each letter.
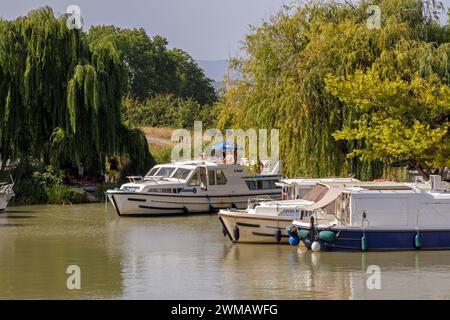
x: 33, y: 181
x: 39, y: 183
x: 60, y: 194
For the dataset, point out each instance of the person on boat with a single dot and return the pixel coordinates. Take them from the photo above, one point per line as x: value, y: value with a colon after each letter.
x: 260, y: 167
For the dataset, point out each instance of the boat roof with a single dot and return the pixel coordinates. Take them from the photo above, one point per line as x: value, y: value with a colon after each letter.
x: 327, y: 193
x: 314, y: 181
x: 371, y: 185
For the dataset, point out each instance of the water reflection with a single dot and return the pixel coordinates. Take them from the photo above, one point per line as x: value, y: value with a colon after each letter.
x: 188, y: 258
x: 36, y: 250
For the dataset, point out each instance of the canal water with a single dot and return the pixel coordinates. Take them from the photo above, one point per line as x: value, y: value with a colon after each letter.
x: 188, y: 258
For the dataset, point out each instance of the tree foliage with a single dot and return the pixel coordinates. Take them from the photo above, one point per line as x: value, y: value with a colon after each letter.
x: 153, y: 69
x: 166, y: 111
x: 288, y: 58
x: 60, y: 99
x: 400, y: 120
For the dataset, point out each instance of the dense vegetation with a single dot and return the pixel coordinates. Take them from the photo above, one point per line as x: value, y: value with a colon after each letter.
x: 153, y: 69
x: 166, y: 111
x: 347, y: 99
x: 60, y: 99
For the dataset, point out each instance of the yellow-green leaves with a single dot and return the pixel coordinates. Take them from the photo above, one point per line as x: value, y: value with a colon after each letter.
x: 400, y: 120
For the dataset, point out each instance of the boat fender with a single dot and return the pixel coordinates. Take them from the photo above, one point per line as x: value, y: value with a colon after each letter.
x: 303, y: 234
x: 315, y: 247
x: 307, y: 242
x: 418, y: 241
x: 312, y: 230
x: 278, y: 235
x: 212, y: 208
x: 364, y: 243
x: 185, y: 211
x: 236, y: 233
x: 224, y: 231
x: 233, y: 206
x: 294, y: 240
x: 292, y: 230
x: 327, y: 236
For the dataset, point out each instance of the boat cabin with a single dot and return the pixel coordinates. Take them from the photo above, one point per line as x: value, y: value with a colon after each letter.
x: 197, y: 176
x: 385, y: 205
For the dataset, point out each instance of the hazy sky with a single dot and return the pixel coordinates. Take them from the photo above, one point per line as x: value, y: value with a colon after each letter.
x: 207, y: 29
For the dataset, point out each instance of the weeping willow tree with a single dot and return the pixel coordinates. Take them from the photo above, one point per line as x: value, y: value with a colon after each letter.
x: 287, y: 59
x: 60, y: 98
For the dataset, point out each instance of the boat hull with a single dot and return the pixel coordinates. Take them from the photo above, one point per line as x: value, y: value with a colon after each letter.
x: 382, y: 240
x: 254, y: 229
x: 153, y: 204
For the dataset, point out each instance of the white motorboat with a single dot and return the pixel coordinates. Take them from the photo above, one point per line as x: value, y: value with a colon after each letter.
x: 6, y: 194
x: 266, y: 221
x: 192, y: 187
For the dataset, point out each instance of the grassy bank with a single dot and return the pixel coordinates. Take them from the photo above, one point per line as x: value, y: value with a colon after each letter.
x: 159, y: 142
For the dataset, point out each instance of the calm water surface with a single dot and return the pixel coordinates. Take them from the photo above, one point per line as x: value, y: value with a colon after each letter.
x: 188, y: 258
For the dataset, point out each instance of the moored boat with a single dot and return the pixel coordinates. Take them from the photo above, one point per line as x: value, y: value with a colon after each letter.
x: 380, y: 217
x: 192, y: 187
x: 265, y: 220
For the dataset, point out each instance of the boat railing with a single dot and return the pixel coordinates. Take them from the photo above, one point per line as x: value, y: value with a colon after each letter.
x: 255, y: 201
x: 6, y: 188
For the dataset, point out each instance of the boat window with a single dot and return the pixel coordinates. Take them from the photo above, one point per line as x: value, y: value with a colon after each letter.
x: 195, y: 180
x: 181, y: 173
x: 251, y: 185
x: 159, y: 190
x: 212, y: 177
x: 266, y: 184
x: 165, y: 172
x: 203, y: 180
x: 221, y: 179
x: 152, y: 172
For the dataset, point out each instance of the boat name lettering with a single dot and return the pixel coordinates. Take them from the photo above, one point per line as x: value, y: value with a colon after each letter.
x: 193, y: 190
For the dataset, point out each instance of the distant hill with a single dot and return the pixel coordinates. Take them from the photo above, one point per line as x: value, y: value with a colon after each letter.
x: 214, y: 69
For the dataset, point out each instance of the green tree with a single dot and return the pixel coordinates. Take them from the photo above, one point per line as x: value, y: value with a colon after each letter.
x: 60, y: 100
x: 400, y: 120
x: 287, y: 59
x: 166, y: 111
x: 153, y: 69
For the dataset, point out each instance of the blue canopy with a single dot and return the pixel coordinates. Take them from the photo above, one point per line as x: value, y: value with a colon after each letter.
x: 226, y: 145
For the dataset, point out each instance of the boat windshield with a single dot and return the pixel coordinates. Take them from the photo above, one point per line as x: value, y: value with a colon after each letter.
x: 161, y: 172
x: 152, y: 172
x: 181, y: 173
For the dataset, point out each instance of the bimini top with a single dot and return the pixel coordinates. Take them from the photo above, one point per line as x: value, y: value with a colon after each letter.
x: 328, y: 198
